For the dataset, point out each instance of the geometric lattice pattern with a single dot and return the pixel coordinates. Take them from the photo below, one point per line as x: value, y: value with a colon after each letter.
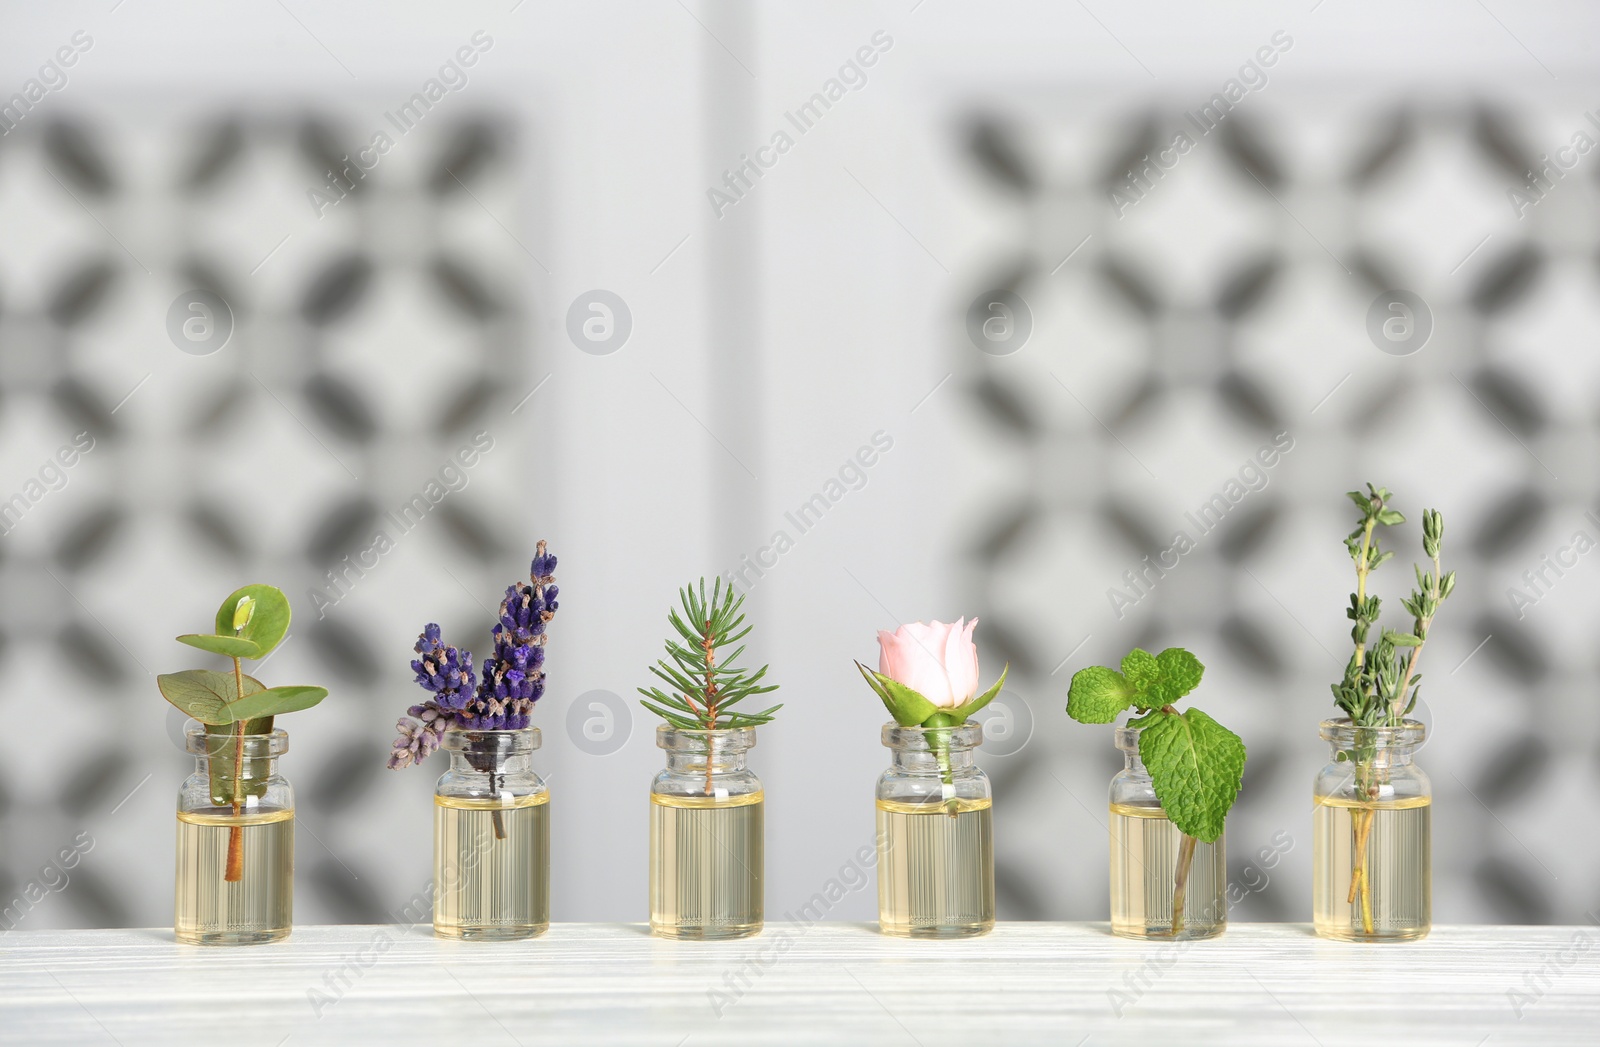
x: 367, y: 347
x: 1227, y: 303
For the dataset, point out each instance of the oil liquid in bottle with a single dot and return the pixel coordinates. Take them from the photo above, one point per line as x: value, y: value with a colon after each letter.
x: 1144, y: 864
x: 706, y: 857
x: 1393, y: 898
x: 935, y: 872
x: 258, y: 907
x: 490, y: 886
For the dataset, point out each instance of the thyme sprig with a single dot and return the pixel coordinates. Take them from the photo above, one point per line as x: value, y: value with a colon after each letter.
x: 1381, y: 683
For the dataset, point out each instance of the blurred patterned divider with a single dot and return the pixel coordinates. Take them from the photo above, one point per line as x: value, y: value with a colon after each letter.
x: 310, y: 362
x: 1220, y: 363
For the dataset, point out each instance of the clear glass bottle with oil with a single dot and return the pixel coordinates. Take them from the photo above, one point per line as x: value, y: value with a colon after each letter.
x: 1164, y: 884
x: 935, y: 835
x: 707, y: 843
x: 235, y: 853
x: 491, y: 838
x: 1372, y: 862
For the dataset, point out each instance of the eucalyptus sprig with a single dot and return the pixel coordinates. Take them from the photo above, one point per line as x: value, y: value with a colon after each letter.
x: 1381, y: 683
x: 250, y: 624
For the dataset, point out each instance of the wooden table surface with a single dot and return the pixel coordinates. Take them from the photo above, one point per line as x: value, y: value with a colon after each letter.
x: 1055, y: 983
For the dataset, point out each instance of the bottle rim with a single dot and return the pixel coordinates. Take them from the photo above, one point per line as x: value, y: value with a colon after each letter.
x: 959, y: 738
x: 1341, y: 732
x: 699, y: 739
x: 497, y: 742
x: 197, y: 742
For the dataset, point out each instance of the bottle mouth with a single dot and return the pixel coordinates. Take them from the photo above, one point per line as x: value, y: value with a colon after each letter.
x: 723, y: 740
x: 198, y: 742
x: 499, y: 744
x: 1127, y: 739
x: 1344, y: 734
x: 968, y: 735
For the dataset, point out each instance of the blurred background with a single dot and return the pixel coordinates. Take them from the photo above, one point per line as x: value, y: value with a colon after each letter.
x: 1064, y: 268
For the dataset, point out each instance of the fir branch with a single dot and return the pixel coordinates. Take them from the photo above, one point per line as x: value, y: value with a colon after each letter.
x: 704, y: 682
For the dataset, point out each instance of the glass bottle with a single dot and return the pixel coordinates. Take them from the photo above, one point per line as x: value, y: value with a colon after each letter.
x: 1164, y: 884
x: 935, y: 838
x: 1372, y: 872
x: 235, y: 867
x: 491, y: 838
x: 706, y: 836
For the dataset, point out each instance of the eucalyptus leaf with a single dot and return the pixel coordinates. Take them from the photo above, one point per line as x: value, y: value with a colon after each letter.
x: 275, y: 701
x: 268, y: 617
x: 227, y: 646
x: 206, y: 695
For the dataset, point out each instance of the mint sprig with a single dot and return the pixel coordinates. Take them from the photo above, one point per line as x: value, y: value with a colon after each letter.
x: 1196, y: 765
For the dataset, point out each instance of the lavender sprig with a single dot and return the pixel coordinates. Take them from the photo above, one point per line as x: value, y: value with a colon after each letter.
x: 513, y: 678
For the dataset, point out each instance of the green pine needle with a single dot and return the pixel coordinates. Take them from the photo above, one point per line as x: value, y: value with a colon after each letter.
x: 705, y: 682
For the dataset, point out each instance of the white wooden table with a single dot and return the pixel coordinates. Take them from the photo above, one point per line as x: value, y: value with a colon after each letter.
x: 1061, y: 984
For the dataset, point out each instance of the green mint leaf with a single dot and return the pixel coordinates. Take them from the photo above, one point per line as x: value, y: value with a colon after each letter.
x: 1142, y: 671
x: 1196, y: 766
x: 1138, y: 722
x: 1180, y: 674
x: 1098, y: 694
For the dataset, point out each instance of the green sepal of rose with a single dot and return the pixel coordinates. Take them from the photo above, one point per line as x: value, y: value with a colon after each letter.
x: 1196, y: 765
x: 909, y: 708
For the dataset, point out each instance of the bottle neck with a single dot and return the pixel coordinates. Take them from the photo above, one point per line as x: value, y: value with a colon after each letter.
x: 219, y: 752
x: 1374, y: 746
x: 933, y: 751
x: 1127, y: 742
x: 499, y: 753
x: 689, y: 752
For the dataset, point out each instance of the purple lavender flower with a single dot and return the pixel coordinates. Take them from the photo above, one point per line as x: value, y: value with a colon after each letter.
x: 444, y: 670
x: 417, y: 740
x: 513, y: 678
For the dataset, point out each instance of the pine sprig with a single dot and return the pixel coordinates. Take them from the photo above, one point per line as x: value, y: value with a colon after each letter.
x: 1381, y: 683
x: 704, y: 682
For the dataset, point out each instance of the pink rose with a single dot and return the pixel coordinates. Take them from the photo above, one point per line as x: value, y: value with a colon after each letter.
x: 938, y: 661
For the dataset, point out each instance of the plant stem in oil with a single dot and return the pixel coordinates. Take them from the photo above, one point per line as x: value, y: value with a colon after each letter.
x: 935, y: 868
x: 1164, y: 883
x: 706, y: 866
x: 255, y: 906
x: 1373, y: 868
x: 491, y: 867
